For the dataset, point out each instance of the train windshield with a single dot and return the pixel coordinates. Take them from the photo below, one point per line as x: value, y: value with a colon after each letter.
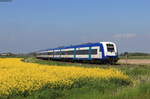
x: 110, y: 48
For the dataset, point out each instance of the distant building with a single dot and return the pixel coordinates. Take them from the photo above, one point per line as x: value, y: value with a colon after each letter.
x: 7, y: 54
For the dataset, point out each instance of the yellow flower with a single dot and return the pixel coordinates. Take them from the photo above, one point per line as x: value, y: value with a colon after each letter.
x: 19, y: 76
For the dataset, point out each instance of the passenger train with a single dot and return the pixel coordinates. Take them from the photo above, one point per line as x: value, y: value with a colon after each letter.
x: 102, y: 52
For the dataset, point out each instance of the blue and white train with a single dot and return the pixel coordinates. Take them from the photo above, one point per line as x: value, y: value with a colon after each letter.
x: 104, y: 52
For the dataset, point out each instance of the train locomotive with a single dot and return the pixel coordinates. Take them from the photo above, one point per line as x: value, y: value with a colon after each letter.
x: 102, y: 52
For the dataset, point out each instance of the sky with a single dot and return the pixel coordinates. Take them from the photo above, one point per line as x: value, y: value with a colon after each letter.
x: 31, y: 25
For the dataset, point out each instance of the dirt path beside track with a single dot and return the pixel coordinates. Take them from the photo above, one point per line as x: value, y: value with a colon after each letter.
x: 135, y: 61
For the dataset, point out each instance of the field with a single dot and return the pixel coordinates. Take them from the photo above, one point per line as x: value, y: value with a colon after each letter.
x: 30, y: 78
x: 135, y: 61
x: 136, y: 56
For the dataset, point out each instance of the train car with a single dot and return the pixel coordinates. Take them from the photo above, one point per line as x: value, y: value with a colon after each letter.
x: 103, y: 52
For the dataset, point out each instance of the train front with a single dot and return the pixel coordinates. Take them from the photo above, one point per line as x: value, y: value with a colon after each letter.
x: 110, y: 52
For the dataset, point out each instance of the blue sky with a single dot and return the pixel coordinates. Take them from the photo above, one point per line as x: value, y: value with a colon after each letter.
x: 30, y: 25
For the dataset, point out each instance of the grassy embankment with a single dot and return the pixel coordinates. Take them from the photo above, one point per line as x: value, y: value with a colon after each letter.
x: 138, y: 88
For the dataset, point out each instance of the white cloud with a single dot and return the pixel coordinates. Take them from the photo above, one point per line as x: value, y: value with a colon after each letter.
x: 125, y: 36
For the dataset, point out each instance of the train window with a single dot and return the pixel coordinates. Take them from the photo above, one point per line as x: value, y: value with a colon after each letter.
x: 93, y: 51
x: 110, y: 48
x: 57, y: 53
x: 82, y: 52
x: 70, y: 52
x: 100, y: 50
x: 62, y: 52
x: 50, y: 53
x: 67, y: 52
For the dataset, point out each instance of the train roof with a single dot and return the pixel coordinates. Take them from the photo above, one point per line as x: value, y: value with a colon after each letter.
x: 74, y: 46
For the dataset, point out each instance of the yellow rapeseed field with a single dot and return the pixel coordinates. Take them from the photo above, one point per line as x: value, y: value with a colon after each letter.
x: 17, y: 76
